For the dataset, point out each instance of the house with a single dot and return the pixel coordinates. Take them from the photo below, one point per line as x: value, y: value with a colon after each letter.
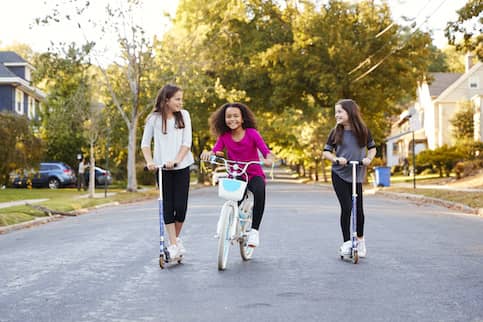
x: 426, y: 124
x: 17, y: 95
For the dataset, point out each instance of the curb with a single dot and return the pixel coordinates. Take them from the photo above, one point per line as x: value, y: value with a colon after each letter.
x: 419, y: 199
x: 434, y: 201
x: 29, y: 224
x: 44, y: 220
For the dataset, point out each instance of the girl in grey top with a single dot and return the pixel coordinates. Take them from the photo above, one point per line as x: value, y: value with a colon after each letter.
x: 350, y: 140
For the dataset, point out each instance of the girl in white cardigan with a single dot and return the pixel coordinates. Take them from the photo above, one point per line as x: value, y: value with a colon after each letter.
x: 170, y: 126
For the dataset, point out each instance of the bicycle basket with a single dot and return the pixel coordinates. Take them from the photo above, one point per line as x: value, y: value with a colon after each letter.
x: 231, y: 189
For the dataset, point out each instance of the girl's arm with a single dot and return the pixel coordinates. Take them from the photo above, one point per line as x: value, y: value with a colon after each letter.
x: 146, y: 144
x: 333, y: 158
x: 371, y: 153
x: 217, y: 150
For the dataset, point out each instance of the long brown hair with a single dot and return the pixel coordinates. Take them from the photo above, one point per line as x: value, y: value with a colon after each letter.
x: 160, y: 106
x: 358, y: 126
x: 217, y: 119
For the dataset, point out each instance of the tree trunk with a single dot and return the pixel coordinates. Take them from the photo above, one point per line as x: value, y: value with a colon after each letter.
x: 92, y: 172
x: 131, y: 158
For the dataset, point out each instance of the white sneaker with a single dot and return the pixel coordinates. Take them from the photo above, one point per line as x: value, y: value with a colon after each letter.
x: 180, y: 245
x: 361, y: 248
x: 173, y: 251
x: 346, y: 248
x: 253, y: 239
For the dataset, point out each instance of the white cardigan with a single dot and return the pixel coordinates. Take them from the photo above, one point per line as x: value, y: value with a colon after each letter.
x: 167, y: 146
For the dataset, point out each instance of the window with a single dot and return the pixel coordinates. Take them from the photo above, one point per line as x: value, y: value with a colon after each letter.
x: 395, y: 148
x: 19, y: 101
x: 474, y: 82
x: 31, y: 108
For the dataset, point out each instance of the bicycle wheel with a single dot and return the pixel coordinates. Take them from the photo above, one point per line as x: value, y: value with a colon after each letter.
x: 246, y: 252
x: 226, y: 221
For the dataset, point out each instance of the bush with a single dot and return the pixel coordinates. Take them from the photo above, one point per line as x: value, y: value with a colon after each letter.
x: 466, y: 168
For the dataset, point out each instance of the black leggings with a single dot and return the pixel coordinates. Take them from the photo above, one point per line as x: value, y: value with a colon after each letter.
x: 257, y: 186
x: 343, y: 190
x: 176, y: 185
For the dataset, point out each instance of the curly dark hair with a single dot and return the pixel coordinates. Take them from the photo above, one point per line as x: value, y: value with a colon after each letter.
x: 163, y: 96
x: 358, y: 126
x: 217, y: 119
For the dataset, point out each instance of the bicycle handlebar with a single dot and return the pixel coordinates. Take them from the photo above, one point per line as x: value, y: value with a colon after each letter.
x: 232, y: 167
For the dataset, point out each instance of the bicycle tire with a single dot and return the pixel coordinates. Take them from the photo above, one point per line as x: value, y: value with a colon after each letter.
x: 226, y: 221
x: 246, y: 252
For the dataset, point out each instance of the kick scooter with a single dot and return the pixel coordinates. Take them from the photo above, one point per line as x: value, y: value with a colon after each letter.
x: 164, y: 256
x: 354, y: 256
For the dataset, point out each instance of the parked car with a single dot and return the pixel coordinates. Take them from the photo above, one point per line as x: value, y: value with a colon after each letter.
x: 102, y: 176
x: 20, y: 181
x: 54, y: 175
x: 217, y: 174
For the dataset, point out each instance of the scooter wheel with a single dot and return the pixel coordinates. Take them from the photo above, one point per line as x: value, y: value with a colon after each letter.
x: 161, y: 261
x: 355, y: 257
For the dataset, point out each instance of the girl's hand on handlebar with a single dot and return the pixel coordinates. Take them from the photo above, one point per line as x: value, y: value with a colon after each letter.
x: 205, y: 155
x: 269, y: 160
x: 342, y: 160
x: 170, y: 164
x: 151, y: 166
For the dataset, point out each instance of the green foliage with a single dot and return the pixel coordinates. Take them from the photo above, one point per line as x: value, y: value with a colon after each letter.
x: 443, y: 159
x: 468, y: 27
x: 463, y: 124
x: 439, y: 60
x: 20, y: 148
x: 66, y: 80
x: 454, y: 59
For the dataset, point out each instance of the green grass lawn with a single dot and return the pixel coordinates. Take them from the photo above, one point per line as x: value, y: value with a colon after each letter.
x: 64, y: 200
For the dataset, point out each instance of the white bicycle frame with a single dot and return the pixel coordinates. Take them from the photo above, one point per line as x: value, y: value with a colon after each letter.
x: 233, y: 228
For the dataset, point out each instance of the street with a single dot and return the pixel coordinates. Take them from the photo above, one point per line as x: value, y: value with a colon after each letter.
x: 424, y: 263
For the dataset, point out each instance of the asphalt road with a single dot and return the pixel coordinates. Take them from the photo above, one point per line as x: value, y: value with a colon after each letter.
x: 424, y: 264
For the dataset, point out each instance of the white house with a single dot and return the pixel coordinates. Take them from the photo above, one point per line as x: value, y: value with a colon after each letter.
x: 427, y: 121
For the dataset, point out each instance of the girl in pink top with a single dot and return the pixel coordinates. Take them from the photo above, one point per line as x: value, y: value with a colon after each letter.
x: 234, y: 125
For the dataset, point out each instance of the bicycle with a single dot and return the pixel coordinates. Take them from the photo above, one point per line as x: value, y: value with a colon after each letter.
x: 235, y: 219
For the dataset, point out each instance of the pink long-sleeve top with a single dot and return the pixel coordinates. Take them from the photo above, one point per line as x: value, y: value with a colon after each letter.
x: 244, y: 150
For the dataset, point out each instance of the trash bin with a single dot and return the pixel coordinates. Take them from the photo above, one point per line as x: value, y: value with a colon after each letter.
x: 383, y: 175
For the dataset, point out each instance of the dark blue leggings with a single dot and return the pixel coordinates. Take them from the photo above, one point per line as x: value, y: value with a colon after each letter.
x: 343, y: 190
x: 176, y: 184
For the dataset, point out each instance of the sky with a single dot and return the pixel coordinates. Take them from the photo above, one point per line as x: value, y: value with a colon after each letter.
x: 17, y: 16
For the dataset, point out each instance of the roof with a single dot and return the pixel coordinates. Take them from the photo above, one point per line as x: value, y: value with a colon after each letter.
x: 460, y: 80
x: 442, y: 81
x: 11, y: 57
x: 5, y: 72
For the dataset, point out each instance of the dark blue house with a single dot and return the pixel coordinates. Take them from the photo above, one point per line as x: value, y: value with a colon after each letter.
x: 17, y: 95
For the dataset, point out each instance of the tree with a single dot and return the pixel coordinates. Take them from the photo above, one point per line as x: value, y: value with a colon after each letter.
x: 20, y: 148
x: 65, y: 78
x: 469, y: 27
x: 134, y: 59
x: 463, y: 124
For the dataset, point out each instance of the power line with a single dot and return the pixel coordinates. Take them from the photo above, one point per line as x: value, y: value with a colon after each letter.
x: 364, y: 62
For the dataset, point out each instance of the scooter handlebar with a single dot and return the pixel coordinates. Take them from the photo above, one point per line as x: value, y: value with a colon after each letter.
x: 158, y: 166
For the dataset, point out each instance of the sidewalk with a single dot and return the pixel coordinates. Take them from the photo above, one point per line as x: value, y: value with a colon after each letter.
x: 20, y: 202
x: 435, y: 186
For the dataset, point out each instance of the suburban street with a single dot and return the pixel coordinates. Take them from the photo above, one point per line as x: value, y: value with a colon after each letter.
x: 424, y: 264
